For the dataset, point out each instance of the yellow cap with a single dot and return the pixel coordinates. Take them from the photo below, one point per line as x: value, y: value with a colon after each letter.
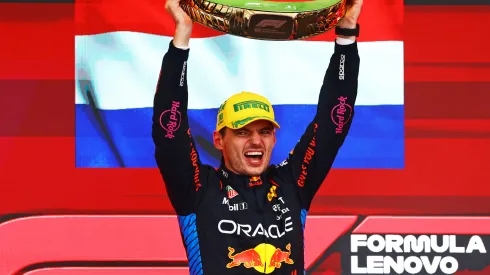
x: 243, y: 108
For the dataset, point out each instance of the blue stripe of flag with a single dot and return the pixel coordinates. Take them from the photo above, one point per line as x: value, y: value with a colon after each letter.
x: 376, y: 139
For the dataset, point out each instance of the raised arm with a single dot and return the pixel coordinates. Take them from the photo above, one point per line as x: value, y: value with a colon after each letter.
x: 175, y: 150
x: 313, y: 156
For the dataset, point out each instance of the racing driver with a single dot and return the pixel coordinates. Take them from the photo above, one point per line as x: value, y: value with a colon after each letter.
x: 248, y: 216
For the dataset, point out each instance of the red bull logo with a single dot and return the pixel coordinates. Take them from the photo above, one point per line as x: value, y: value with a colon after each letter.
x: 249, y: 258
x: 280, y: 257
x: 265, y: 258
x: 254, y: 181
x: 272, y: 193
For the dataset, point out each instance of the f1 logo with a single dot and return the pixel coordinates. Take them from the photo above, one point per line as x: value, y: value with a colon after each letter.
x: 30, y: 242
x: 274, y: 23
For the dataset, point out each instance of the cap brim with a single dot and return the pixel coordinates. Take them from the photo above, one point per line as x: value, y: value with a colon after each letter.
x: 274, y: 123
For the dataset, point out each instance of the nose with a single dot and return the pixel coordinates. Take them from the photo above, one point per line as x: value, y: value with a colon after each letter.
x: 255, y: 138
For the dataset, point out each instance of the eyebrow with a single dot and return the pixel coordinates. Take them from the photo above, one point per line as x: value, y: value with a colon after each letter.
x: 248, y: 130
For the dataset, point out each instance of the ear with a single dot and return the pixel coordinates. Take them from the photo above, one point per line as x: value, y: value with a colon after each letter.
x: 274, y: 135
x: 217, y: 140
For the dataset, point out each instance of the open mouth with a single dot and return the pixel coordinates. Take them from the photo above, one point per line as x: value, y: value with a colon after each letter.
x: 254, y: 157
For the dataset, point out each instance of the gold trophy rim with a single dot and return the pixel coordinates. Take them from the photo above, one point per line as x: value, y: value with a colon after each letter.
x: 205, y: 13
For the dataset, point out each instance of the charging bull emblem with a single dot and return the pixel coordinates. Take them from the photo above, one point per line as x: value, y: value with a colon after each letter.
x: 259, y: 259
x: 281, y: 257
x: 249, y: 258
x: 254, y: 181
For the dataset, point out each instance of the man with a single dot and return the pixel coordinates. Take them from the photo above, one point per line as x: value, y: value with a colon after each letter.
x: 248, y: 217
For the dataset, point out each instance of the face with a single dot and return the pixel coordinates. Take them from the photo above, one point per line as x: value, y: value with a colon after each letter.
x: 247, y: 150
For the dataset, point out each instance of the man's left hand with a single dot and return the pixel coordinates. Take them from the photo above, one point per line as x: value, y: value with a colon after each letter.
x: 352, y: 14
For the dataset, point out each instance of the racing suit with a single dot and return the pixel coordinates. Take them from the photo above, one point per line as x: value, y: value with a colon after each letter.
x: 235, y: 224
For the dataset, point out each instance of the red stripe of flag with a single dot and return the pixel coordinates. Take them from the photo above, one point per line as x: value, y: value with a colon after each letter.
x: 381, y: 19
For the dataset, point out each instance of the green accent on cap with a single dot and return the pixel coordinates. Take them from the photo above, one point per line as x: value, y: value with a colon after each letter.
x: 222, y: 106
x: 238, y: 123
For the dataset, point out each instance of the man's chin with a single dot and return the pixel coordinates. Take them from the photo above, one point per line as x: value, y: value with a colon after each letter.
x: 254, y: 171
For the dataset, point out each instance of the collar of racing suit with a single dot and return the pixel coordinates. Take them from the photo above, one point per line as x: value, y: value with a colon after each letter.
x: 228, y: 177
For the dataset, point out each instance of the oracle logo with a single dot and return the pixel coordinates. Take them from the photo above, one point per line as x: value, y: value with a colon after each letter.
x: 28, y: 243
x: 273, y: 231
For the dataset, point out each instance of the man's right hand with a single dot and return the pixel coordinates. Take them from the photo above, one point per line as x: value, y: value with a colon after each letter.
x: 183, y: 24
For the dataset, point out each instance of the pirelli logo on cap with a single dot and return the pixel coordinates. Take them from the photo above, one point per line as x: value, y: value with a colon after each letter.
x: 254, y: 104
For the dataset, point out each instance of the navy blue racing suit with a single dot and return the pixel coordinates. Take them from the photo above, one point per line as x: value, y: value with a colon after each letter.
x: 235, y: 224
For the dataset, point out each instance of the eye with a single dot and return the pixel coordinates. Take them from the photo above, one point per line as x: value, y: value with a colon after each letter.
x: 266, y: 132
x: 241, y: 133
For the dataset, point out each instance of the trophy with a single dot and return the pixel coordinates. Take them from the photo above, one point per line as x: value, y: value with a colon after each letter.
x: 267, y: 20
